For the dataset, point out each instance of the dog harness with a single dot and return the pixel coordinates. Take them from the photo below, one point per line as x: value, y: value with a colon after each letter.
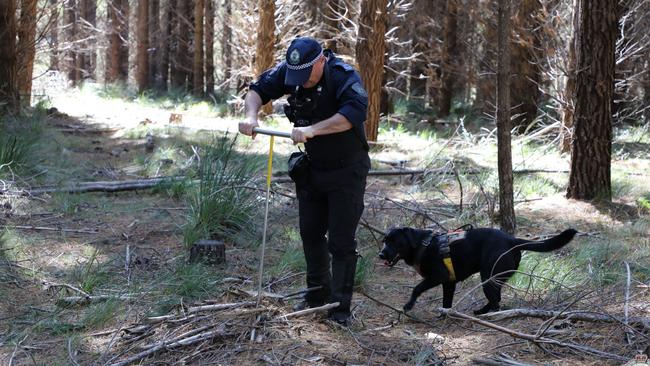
x: 443, y: 241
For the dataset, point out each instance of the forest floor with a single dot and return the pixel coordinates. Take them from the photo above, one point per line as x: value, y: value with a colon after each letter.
x: 125, y: 253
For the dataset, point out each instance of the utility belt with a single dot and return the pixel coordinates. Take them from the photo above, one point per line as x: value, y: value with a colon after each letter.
x: 300, y: 163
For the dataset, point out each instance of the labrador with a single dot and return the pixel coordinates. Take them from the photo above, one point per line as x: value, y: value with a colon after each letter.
x: 491, y: 252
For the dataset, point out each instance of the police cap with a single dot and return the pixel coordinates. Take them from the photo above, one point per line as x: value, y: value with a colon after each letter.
x: 301, y: 56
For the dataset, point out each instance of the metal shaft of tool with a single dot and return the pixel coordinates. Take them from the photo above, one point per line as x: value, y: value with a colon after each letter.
x: 266, y: 131
x: 271, y: 133
x: 266, y: 219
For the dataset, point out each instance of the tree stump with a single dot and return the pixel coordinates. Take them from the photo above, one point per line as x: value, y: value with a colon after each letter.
x: 208, y: 251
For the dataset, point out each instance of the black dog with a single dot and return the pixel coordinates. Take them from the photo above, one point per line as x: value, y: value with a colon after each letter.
x: 443, y: 260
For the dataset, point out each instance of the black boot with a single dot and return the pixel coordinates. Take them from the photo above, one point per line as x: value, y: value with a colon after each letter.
x: 318, y: 275
x: 343, y: 271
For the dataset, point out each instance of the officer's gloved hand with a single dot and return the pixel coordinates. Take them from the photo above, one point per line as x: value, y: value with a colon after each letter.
x: 246, y: 127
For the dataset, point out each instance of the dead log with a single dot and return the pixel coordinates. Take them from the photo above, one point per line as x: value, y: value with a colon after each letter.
x: 105, y: 186
x: 580, y: 315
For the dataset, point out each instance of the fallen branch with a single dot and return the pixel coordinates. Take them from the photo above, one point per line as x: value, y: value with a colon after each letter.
x: 307, y: 311
x: 197, y: 309
x: 42, y: 228
x: 532, y: 338
x: 501, y: 360
x: 106, y: 186
x: 171, y: 344
x: 217, y: 307
x: 580, y: 315
x: 89, y: 299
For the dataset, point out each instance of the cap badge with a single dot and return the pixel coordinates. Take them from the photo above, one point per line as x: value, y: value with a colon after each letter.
x: 294, y: 57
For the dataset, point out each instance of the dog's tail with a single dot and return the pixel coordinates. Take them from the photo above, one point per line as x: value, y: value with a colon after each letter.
x: 547, y: 245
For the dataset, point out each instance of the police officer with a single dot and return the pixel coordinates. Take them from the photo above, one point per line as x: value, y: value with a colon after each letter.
x: 327, y: 105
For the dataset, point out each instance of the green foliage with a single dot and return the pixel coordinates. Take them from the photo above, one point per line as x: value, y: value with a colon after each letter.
x: 92, y: 274
x: 534, y: 186
x: 188, y: 282
x: 57, y: 327
x: 293, y: 259
x: 100, y: 314
x: 220, y: 205
x: 68, y: 203
x: 644, y: 203
x: 365, y: 266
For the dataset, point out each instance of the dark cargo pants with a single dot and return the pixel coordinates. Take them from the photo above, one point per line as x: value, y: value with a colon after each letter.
x: 332, y: 203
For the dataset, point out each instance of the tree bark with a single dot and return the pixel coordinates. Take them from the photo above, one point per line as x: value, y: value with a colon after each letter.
x: 180, y: 60
x: 506, y: 200
x: 117, y: 54
x: 525, y: 72
x: 197, y: 65
x: 87, y: 59
x: 142, y: 55
x: 449, y: 69
x: 226, y: 43
x: 265, y: 42
x: 70, y: 58
x: 591, y: 152
x: 209, y: 47
x: 9, y: 98
x: 566, y: 131
x: 154, y: 44
x: 26, y: 49
x: 54, y: 36
x: 165, y: 42
x: 371, y: 46
x: 330, y: 30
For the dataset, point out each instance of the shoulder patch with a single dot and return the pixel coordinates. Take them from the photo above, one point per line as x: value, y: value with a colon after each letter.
x: 358, y: 88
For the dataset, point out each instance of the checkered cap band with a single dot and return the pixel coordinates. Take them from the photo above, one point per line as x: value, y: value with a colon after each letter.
x: 304, y: 66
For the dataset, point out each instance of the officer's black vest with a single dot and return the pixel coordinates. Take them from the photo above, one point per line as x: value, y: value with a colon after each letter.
x: 343, y: 146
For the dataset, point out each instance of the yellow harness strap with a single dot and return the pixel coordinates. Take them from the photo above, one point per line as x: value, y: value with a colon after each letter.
x: 450, y: 268
x: 446, y: 252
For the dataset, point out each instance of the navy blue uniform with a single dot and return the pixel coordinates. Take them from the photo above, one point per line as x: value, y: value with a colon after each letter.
x: 332, y: 201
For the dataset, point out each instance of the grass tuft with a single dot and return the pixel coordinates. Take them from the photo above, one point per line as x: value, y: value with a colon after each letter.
x: 220, y: 205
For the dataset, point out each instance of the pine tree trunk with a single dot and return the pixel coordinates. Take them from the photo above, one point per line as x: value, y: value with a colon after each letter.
x: 525, y: 73
x: 9, y: 97
x: 180, y: 60
x: 330, y: 32
x: 87, y: 59
x: 566, y: 130
x: 371, y: 46
x: 646, y: 88
x: 26, y: 49
x: 209, y: 46
x: 117, y: 54
x: 590, y: 176
x: 54, y: 36
x: 165, y: 42
x: 70, y: 58
x: 419, y: 19
x: 449, y: 59
x: 197, y: 65
x: 154, y: 44
x: 506, y: 201
x: 265, y: 42
x: 142, y: 57
x: 226, y: 43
